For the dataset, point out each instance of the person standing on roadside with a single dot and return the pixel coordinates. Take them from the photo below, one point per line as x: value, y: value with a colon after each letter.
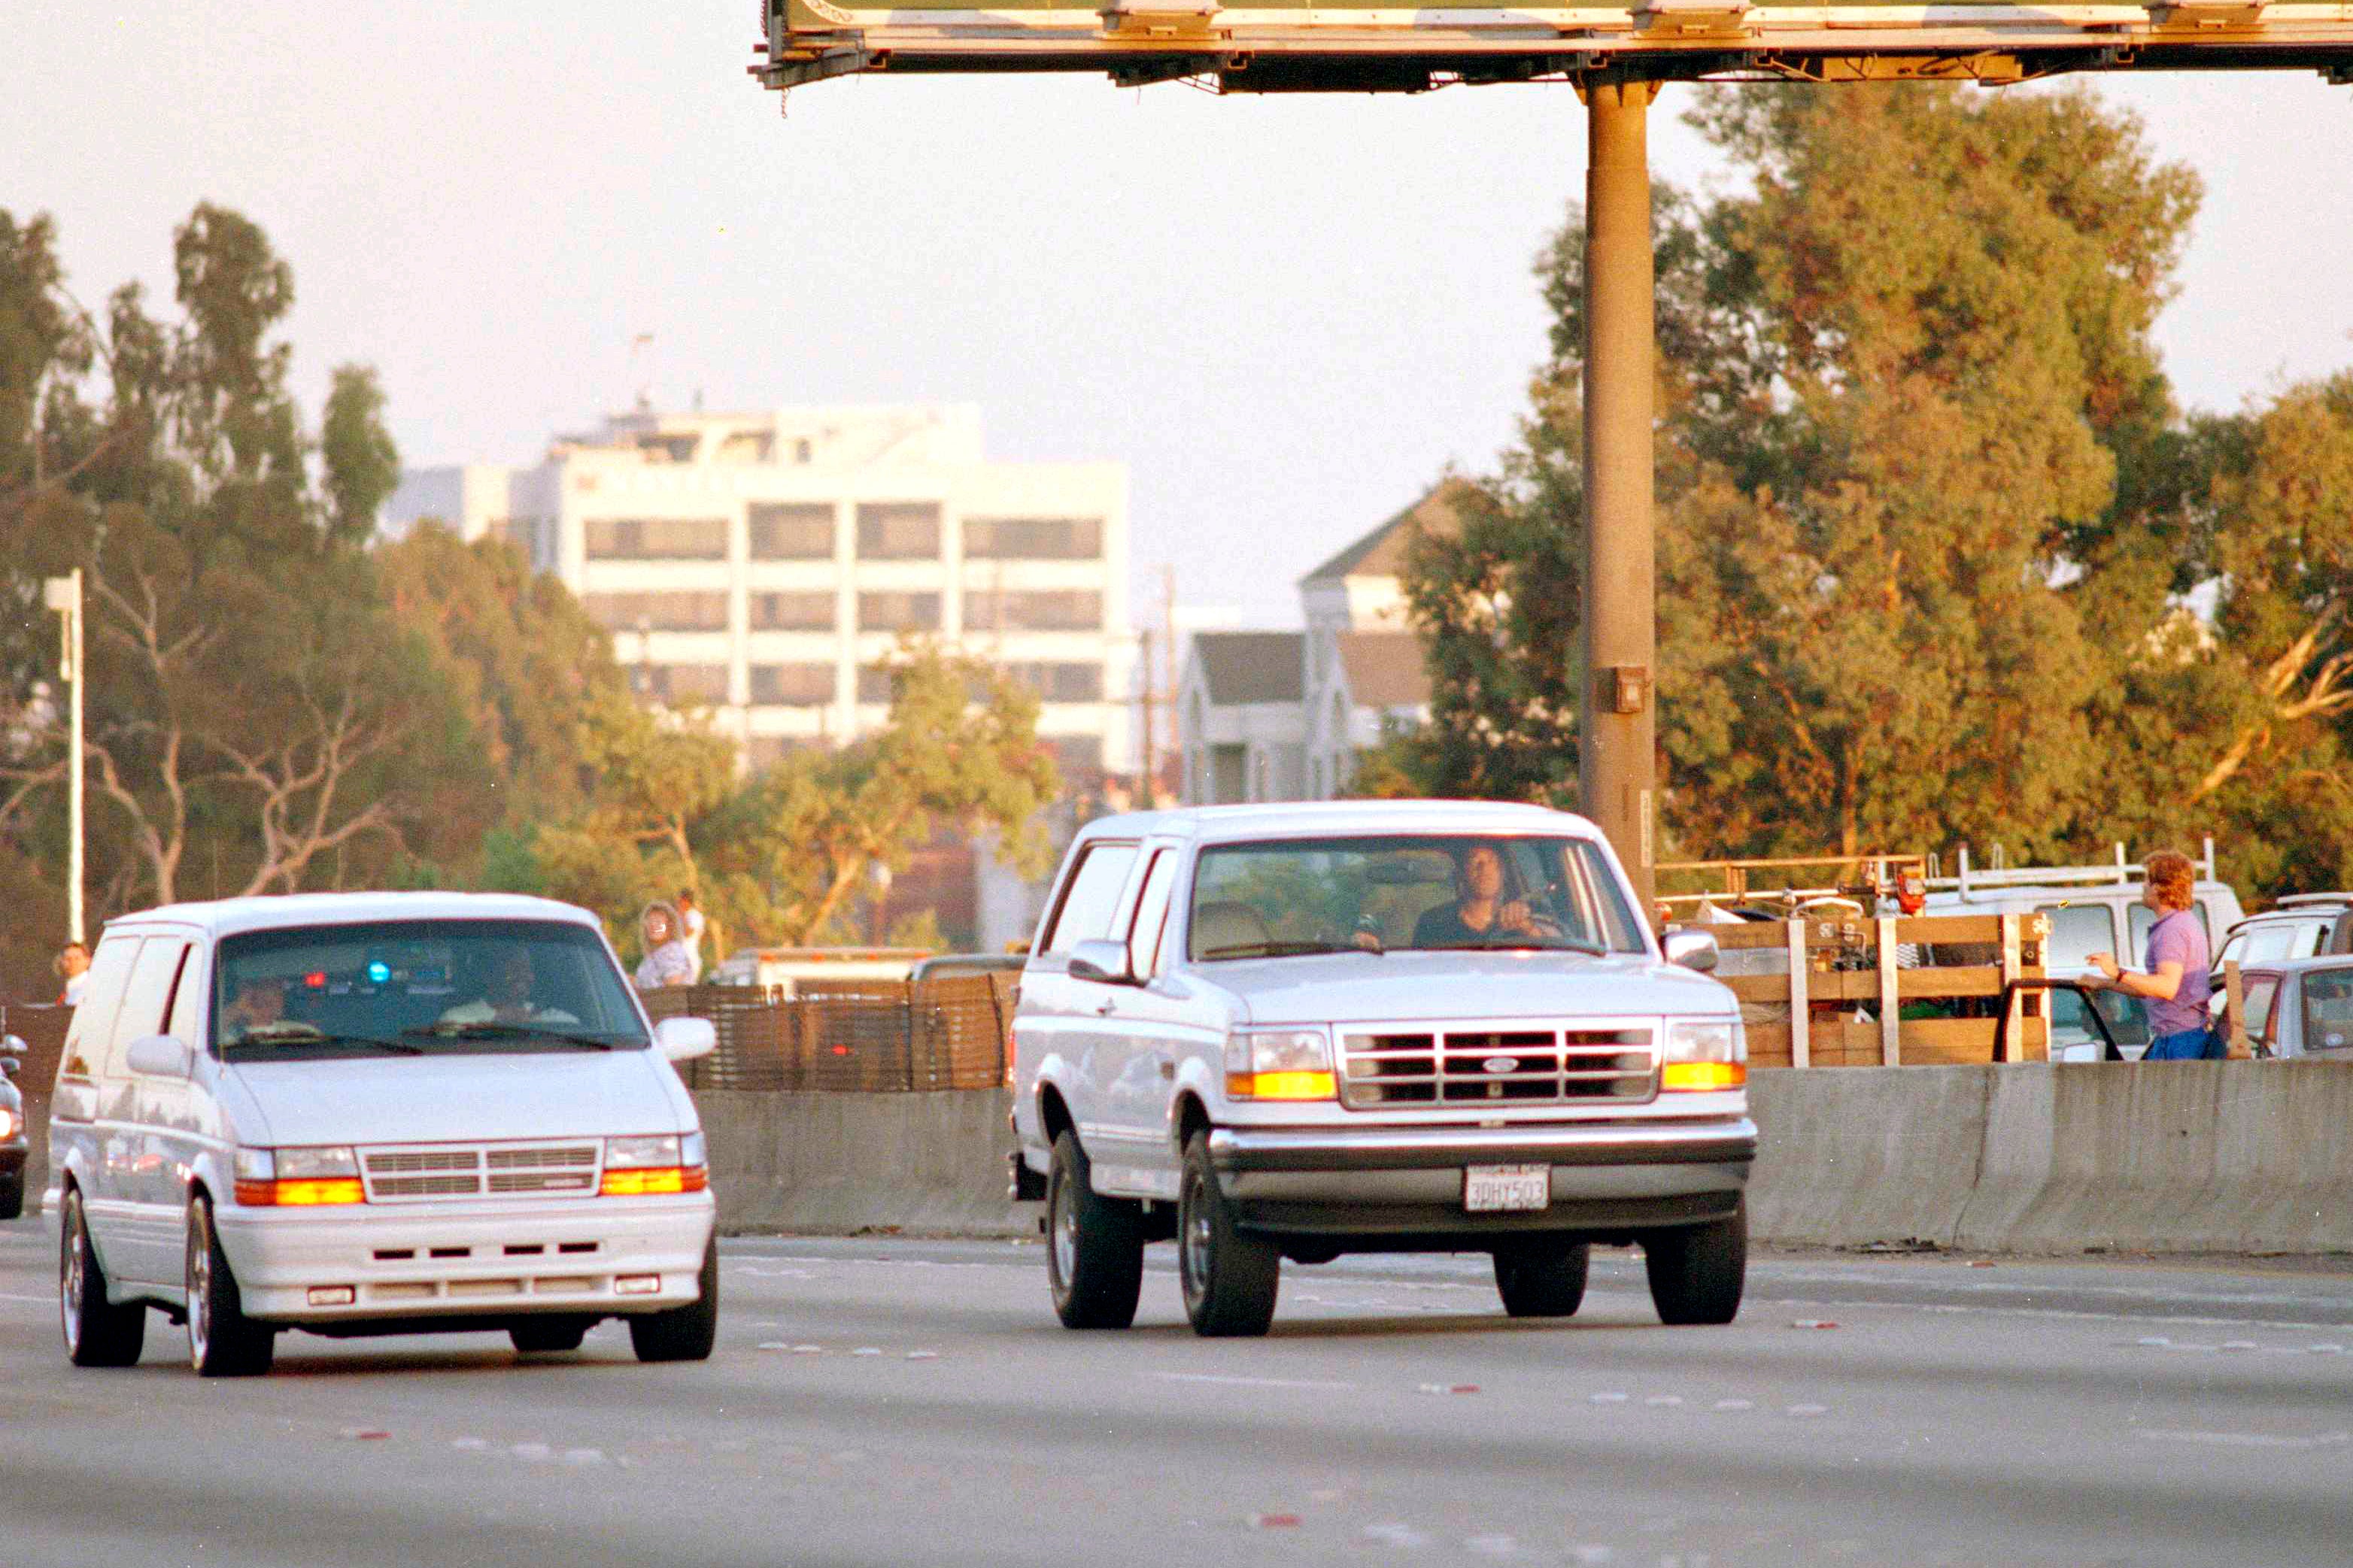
x: 73, y: 967
x: 2174, y: 979
x: 667, y: 961
x: 691, y: 920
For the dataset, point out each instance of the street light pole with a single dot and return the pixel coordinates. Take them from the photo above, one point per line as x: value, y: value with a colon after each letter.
x: 63, y: 595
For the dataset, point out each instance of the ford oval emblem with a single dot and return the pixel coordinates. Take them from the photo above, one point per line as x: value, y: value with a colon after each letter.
x: 1499, y: 1064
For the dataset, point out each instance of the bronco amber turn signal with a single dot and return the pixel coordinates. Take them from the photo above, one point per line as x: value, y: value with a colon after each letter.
x: 1688, y: 1076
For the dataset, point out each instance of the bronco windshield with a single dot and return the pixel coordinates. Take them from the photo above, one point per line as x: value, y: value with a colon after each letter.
x: 1420, y: 892
x: 419, y: 988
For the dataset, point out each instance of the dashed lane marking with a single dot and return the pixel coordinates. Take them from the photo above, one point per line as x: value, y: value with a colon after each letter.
x: 1229, y: 1380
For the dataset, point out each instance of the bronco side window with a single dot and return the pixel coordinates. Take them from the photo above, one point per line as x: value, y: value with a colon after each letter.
x: 1091, y: 897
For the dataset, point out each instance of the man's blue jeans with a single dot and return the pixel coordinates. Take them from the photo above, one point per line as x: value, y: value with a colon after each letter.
x: 2188, y: 1046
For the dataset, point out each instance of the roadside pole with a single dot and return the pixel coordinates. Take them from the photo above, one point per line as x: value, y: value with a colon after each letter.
x: 1616, y: 764
x: 63, y: 595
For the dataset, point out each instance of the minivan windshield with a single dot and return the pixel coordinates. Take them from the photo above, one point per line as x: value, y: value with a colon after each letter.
x: 416, y: 988
x: 1420, y: 891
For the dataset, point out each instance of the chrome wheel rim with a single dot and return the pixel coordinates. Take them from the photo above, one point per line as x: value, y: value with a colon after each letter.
x: 1195, y: 1254
x: 200, y: 1285
x: 71, y: 1279
x: 1065, y: 1228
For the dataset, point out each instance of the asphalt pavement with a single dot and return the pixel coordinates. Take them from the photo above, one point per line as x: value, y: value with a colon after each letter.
x: 887, y: 1400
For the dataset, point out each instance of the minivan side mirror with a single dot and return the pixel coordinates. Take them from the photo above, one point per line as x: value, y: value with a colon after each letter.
x: 1691, y: 949
x: 683, y: 1039
x: 158, y: 1055
x: 1104, y: 962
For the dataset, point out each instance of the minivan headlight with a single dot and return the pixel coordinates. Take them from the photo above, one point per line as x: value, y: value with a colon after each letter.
x: 1279, y: 1064
x: 8, y: 1122
x: 1703, y: 1054
x: 281, y: 1178
x: 655, y: 1164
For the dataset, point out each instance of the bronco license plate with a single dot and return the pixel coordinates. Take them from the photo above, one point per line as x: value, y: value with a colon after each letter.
x: 1500, y: 1189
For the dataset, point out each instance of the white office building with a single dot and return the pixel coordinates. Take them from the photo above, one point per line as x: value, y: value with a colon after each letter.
x: 765, y: 564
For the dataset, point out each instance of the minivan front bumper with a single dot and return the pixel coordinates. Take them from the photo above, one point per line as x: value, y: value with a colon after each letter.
x: 468, y: 1261
x: 1407, y: 1182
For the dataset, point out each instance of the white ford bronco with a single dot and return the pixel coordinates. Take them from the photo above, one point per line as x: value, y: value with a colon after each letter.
x: 1295, y: 1031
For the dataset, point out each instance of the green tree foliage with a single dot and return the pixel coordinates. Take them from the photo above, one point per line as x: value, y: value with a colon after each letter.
x: 1926, y: 510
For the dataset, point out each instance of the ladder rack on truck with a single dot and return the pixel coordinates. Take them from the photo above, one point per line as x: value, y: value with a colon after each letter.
x: 2121, y: 872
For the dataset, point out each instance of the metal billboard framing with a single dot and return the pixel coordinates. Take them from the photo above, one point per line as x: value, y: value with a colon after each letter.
x: 1306, y: 49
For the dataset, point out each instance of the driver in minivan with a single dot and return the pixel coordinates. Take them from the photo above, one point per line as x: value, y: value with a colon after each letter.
x: 259, y: 1004
x: 1480, y: 914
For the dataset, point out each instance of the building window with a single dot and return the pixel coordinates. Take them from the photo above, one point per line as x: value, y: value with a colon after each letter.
x: 680, y: 685
x: 793, y: 684
x: 674, y: 611
x: 898, y: 530
x: 656, y: 538
x: 805, y: 612
x: 792, y: 530
x: 1033, y: 539
x: 1060, y: 682
x: 1078, y: 758
x: 764, y: 751
x: 877, y: 683
x: 1034, y: 610
x: 889, y: 612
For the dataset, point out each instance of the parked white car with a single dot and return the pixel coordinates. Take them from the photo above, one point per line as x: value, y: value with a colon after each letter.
x: 375, y: 1113
x: 1296, y: 1031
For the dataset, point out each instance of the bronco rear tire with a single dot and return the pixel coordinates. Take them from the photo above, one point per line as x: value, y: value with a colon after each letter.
x: 98, y: 1334
x: 1231, y: 1277
x: 1543, y: 1278
x: 1697, y: 1272
x: 1095, y: 1246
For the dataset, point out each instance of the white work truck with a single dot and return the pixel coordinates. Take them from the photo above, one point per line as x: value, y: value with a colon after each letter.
x: 1297, y: 1031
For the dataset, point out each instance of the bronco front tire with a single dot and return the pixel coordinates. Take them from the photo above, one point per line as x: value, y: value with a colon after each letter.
x: 1697, y: 1272
x: 1229, y: 1275
x: 1095, y: 1246
x: 1543, y: 1278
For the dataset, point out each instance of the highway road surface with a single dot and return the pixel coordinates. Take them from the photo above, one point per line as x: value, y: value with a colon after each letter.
x: 888, y: 1400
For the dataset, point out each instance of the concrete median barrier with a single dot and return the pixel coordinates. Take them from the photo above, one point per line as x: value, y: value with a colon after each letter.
x: 833, y: 1164
x: 2178, y: 1157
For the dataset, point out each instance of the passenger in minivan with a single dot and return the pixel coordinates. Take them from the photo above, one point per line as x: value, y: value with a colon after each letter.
x: 507, y: 998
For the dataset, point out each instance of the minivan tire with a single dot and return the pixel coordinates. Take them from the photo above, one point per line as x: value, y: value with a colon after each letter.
x: 12, y: 1197
x: 1230, y: 1277
x: 1543, y: 1278
x: 543, y: 1336
x: 222, y: 1340
x: 1094, y: 1245
x: 682, y: 1334
x: 98, y: 1334
x: 1697, y: 1272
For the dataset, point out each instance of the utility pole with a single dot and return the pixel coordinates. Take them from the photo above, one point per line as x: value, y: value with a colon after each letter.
x: 1151, y: 752
x: 1169, y: 661
x: 63, y: 595
x: 1616, y: 762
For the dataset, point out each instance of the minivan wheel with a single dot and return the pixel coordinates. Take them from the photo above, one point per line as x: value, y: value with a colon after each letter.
x: 1697, y: 1272
x: 12, y: 1197
x: 222, y: 1340
x: 98, y: 1334
x: 1543, y: 1278
x: 1095, y: 1246
x: 682, y: 1334
x: 541, y: 1336
x: 1230, y: 1277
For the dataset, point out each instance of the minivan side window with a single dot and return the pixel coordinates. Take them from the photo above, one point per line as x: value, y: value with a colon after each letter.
x: 144, y: 998
x: 2143, y: 920
x: 93, y: 1030
x: 187, y: 1021
x: 1093, y: 897
x: 2077, y: 932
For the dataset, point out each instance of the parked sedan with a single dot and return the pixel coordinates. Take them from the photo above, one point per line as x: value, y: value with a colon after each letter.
x: 2298, y: 1007
x: 14, y: 1147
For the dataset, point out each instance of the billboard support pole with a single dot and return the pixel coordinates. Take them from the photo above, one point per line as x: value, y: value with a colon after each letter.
x: 1616, y: 762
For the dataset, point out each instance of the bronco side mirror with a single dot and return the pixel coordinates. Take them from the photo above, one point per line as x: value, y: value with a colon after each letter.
x: 1691, y: 949
x: 1105, y: 963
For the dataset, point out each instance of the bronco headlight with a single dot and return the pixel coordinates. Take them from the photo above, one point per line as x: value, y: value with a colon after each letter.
x: 1279, y: 1064
x: 1704, y: 1054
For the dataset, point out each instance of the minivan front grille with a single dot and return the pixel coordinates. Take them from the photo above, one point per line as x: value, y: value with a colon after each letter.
x: 1483, y: 1065
x: 500, y: 1169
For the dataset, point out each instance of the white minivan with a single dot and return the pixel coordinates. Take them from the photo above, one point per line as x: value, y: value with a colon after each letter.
x: 375, y: 1113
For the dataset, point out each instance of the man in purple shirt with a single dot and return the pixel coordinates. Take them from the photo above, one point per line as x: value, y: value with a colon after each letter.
x: 2175, y: 985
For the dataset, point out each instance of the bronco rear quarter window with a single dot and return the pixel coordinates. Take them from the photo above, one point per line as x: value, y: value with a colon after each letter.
x: 1090, y: 898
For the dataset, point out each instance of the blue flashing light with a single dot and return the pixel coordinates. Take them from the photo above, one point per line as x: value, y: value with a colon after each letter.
x: 379, y: 972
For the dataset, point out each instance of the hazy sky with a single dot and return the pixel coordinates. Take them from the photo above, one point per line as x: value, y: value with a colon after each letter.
x: 1286, y: 315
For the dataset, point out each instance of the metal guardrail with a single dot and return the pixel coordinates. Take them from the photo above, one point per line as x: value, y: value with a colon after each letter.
x: 852, y: 1037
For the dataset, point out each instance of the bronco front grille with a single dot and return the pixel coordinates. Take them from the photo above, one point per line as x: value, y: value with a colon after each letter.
x: 1497, y: 1066
x: 497, y: 1170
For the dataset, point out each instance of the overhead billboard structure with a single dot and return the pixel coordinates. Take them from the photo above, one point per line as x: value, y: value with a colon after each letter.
x: 1303, y: 47
x: 1616, y: 55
